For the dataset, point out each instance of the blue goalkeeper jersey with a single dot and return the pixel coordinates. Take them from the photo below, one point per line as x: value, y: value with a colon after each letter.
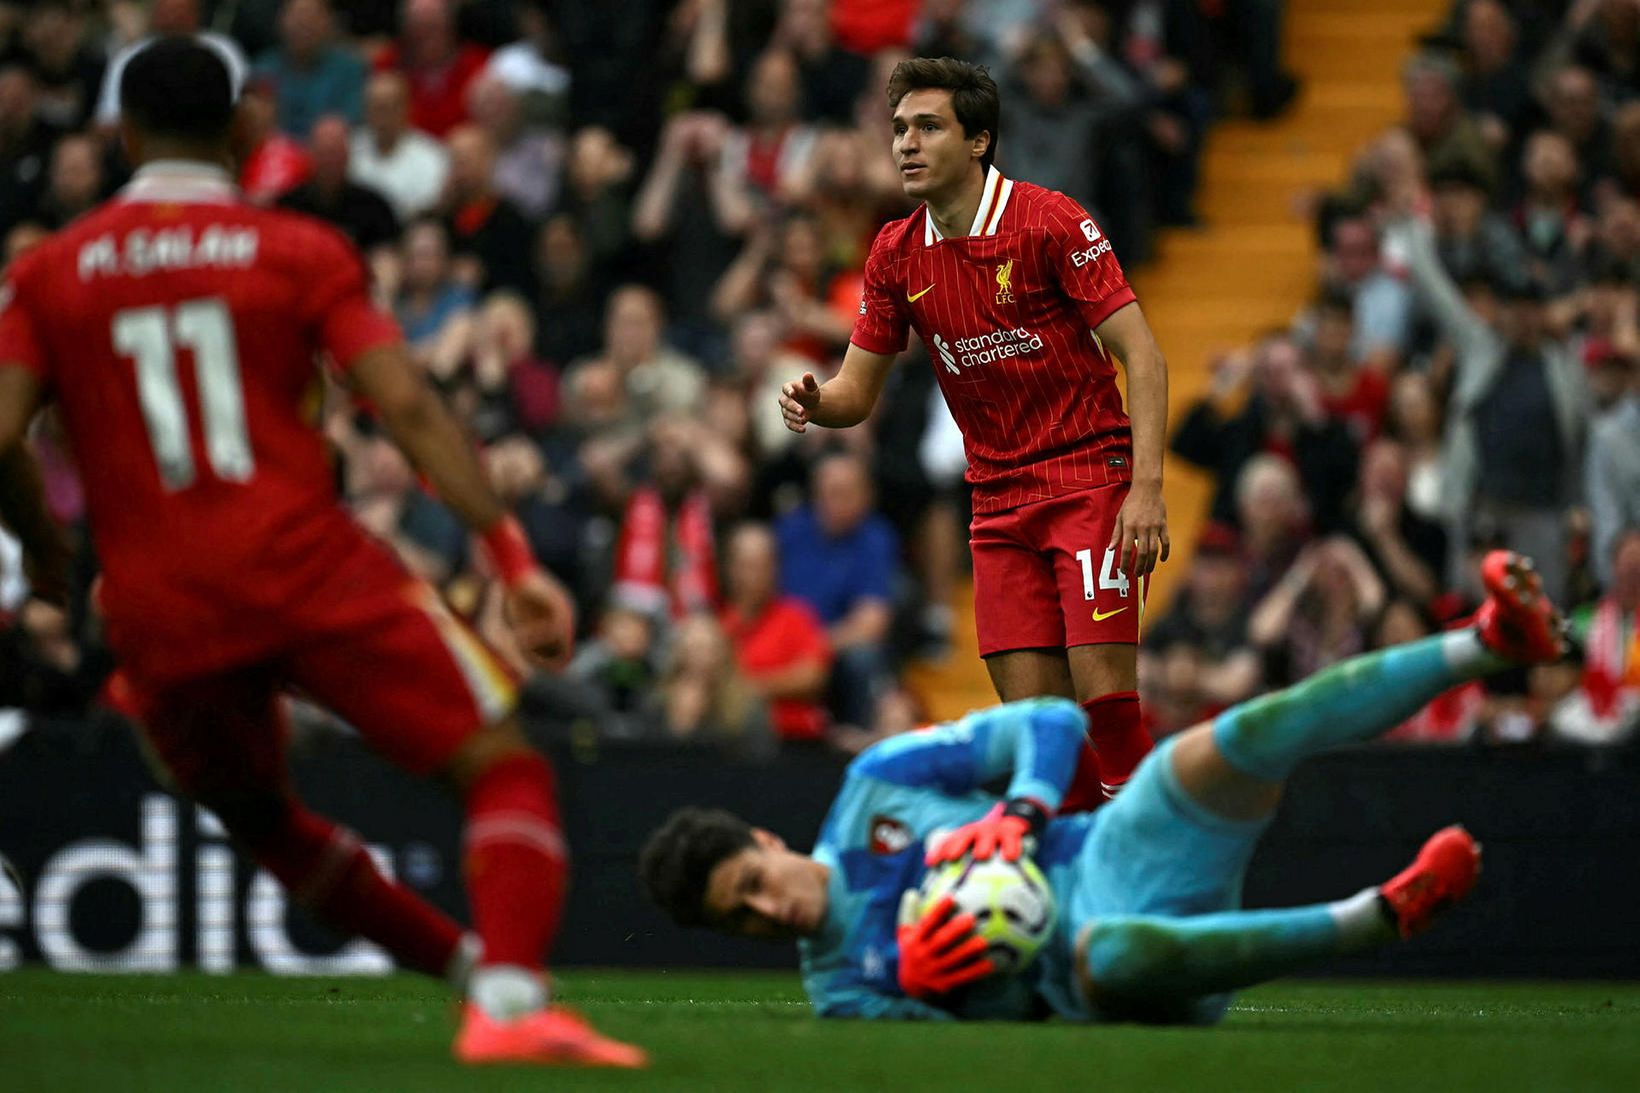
x: 897, y: 795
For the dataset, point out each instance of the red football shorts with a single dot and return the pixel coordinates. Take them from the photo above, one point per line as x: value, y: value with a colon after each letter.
x: 414, y: 681
x: 1043, y: 578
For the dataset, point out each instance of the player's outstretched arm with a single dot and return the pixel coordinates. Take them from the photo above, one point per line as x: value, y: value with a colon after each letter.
x: 46, y: 555
x: 1033, y: 743
x: 1140, y: 536
x: 844, y: 400
x: 538, y: 607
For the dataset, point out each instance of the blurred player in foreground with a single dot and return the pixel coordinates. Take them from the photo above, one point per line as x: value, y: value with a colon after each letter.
x: 1024, y: 309
x: 1148, y: 887
x: 177, y: 330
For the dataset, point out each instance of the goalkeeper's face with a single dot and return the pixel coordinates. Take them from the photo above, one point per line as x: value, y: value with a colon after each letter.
x: 767, y: 890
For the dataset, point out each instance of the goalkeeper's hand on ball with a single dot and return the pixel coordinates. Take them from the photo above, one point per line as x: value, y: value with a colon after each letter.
x: 939, y: 951
x: 1003, y: 830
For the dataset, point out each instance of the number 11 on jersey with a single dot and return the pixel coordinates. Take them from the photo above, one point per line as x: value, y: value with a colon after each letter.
x: 1109, y: 575
x: 150, y: 336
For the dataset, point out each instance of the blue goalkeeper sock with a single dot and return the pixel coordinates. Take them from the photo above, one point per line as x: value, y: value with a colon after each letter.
x: 1149, y: 958
x: 1352, y: 701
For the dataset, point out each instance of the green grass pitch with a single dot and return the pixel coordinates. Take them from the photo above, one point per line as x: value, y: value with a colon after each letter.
x: 753, y: 1032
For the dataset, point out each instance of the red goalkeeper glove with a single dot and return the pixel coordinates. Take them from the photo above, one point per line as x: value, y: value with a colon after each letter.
x: 939, y: 952
x: 1002, y: 830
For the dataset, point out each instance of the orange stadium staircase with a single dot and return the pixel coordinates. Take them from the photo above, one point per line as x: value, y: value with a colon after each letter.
x: 1252, y: 266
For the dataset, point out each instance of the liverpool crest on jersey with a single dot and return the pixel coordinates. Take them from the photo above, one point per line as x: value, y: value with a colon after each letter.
x: 1005, y: 282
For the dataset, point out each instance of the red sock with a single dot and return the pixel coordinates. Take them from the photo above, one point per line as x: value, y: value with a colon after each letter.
x: 517, y: 863
x: 1119, y: 741
x: 327, y: 870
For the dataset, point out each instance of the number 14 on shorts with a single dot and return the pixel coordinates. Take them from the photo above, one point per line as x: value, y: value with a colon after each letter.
x: 1109, y: 575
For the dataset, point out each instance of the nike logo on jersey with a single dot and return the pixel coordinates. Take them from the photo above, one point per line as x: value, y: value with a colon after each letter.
x: 913, y: 297
x: 1099, y: 616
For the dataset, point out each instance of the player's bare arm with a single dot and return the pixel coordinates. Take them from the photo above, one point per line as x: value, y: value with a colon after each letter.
x: 1141, y: 525
x: 844, y: 400
x: 46, y: 555
x: 539, y: 609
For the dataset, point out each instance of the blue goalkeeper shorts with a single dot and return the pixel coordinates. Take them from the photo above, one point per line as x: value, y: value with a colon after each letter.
x: 1155, y: 851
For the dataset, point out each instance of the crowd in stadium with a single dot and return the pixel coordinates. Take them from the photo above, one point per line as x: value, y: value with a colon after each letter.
x: 610, y: 232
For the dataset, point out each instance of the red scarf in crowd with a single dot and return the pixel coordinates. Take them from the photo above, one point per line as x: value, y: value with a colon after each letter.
x: 658, y: 565
x: 1611, y: 663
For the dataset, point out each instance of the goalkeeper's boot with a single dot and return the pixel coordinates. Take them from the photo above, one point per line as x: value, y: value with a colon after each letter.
x: 554, y: 1036
x: 1441, y: 875
x: 1517, y: 620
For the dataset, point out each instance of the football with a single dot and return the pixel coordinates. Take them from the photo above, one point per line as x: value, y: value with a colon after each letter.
x: 1013, y: 907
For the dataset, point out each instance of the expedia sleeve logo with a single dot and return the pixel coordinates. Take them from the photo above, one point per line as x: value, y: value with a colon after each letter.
x: 888, y: 835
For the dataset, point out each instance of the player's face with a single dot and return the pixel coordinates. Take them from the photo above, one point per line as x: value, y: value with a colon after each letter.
x: 767, y: 891
x: 932, y: 154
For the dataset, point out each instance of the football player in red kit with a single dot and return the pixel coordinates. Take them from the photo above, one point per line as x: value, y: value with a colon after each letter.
x: 176, y: 328
x: 1023, y: 309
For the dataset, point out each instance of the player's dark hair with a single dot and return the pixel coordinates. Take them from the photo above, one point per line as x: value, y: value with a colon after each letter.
x: 974, y: 96
x: 679, y: 857
x: 178, y: 88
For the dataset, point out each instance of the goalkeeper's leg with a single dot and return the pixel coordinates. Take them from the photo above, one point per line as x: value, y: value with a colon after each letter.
x: 1235, y: 766
x: 1156, y: 968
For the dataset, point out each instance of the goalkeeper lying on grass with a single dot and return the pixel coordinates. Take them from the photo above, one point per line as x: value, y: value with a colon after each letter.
x: 1148, y: 887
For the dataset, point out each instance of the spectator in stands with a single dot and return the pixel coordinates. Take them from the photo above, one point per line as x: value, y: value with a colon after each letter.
x: 1612, y: 473
x: 704, y: 698
x: 832, y: 77
x: 695, y: 250
x: 1408, y: 551
x: 1207, y: 627
x: 1061, y: 109
x: 519, y: 391
x: 571, y: 296
x: 1319, y: 613
x: 665, y: 557
x: 1573, y: 105
x: 783, y: 268
x: 1380, y: 301
x: 1514, y: 429
x: 1605, y: 708
x: 1283, y: 414
x: 406, y: 165
x: 759, y: 160
x: 1623, y: 180
x: 1273, y: 517
x: 841, y: 557
x: 529, y: 158
x: 436, y: 64
x: 311, y: 75
x: 362, y: 213
x: 1415, y: 423
x: 275, y: 164
x: 780, y: 646
x: 656, y: 378
x: 434, y: 308
x: 1474, y: 241
x: 534, y: 66
x: 595, y: 194
x: 1443, y: 130
x: 621, y: 666
x: 1353, y: 393
x: 1551, y: 222
x: 489, y: 236
x: 76, y: 182
x: 69, y: 72
x: 1494, y: 88
x: 25, y: 145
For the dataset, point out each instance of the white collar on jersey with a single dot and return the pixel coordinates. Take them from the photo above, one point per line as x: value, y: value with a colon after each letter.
x: 992, y: 201
x: 181, y: 181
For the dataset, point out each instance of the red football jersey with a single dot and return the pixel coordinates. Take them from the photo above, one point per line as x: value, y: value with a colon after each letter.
x: 178, y: 330
x: 1007, y: 313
